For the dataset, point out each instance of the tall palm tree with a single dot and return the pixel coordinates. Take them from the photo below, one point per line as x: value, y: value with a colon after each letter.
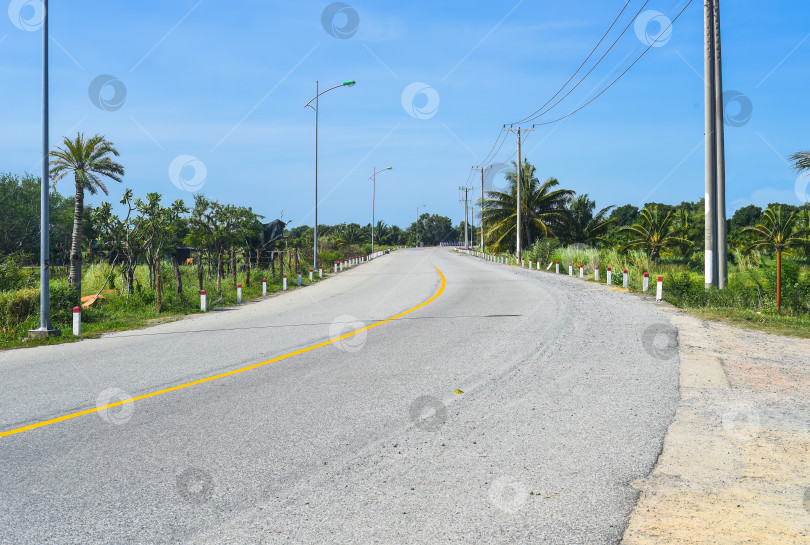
x: 88, y: 159
x: 801, y: 161
x: 542, y: 208
x: 583, y: 225
x: 780, y: 233
x: 653, y: 232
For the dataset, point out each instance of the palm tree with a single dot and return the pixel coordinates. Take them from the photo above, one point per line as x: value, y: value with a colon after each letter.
x: 801, y: 161
x: 781, y: 234
x: 653, y: 232
x: 542, y: 208
x: 584, y: 226
x: 87, y: 159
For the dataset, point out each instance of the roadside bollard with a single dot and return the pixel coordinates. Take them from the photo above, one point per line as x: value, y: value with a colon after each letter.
x: 646, y: 285
x: 299, y: 279
x: 202, y: 300
x: 609, y: 276
x: 77, y: 320
x: 335, y: 266
x: 557, y: 268
x: 581, y: 270
x: 596, y: 273
x: 320, y: 271
x: 538, y: 264
x: 239, y: 294
x: 659, y: 292
x: 625, y: 283
x: 570, y: 269
x: 530, y: 264
x: 264, y: 286
x: 284, y: 283
x: 341, y: 264
x: 310, y: 275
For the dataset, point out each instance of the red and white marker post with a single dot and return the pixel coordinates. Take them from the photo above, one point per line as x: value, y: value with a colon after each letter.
x: 625, y: 279
x: 646, y: 283
x: 320, y: 271
x: 202, y: 300
x: 609, y: 279
x: 239, y: 294
x: 659, y: 292
x: 264, y: 286
x: 77, y: 320
x: 310, y: 275
x: 284, y: 283
x: 596, y: 273
x: 570, y: 269
x: 557, y: 268
x: 581, y: 270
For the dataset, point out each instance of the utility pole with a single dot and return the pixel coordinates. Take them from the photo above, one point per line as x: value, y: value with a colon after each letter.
x: 466, y: 191
x: 418, y: 206
x: 715, y: 266
x: 518, y: 183
x: 45, y: 328
x: 482, y: 205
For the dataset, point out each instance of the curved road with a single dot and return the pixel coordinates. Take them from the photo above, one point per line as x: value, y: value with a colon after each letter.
x: 361, y: 440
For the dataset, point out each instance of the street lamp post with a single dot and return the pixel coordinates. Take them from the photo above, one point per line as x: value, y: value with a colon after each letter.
x: 374, y: 199
x: 349, y: 83
x: 45, y: 328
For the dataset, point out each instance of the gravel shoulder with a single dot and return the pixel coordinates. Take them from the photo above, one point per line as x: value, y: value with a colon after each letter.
x: 734, y: 468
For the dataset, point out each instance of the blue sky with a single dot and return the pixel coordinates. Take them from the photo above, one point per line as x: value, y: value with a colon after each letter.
x: 225, y: 83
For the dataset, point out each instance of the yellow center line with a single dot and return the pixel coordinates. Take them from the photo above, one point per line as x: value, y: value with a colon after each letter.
x: 229, y: 373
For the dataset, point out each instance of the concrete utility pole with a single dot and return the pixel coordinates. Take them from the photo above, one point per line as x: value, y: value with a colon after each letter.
x: 482, y: 208
x: 517, y: 179
x: 45, y: 328
x: 715, y: 268
x: 466, y: 190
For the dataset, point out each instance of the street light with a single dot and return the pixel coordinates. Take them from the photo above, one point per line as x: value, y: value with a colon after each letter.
x: 373, y: 200
x: 45, y: 328
x: 418, y: 206
x: 349, y: 83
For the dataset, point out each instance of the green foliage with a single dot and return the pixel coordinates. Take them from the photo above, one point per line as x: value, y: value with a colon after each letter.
x: 12, y: 275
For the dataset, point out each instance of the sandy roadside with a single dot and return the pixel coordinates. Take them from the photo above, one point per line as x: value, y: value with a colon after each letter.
x: 735, y: 467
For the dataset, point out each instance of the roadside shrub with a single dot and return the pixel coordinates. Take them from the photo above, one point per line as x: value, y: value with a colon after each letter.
x: 21, y: 306
x: 12, y: 275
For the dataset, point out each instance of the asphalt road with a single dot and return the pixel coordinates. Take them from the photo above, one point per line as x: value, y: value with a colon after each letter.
x: 566, y: 401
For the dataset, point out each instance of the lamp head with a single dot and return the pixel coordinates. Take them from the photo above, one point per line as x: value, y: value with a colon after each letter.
x: 349, y: 83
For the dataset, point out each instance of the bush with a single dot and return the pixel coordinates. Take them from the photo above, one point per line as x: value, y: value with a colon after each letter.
x: 12, y: 275
x: 21, y: 306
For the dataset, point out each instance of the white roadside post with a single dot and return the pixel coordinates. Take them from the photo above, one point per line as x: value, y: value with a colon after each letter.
x: 530, y: 264
x: 320, y: 271
x: 310, y: 275
x: 264, y: 287
x: 549, y: 266
x: 609, y: 276
x: 570, y: 269
x: 341, y: 264
x: 659, y: 292
x: 581, y: 270
x: 625, y: 283
x: 646, y: 284
x: 538, y: 264
x: 335, y: 266
x: 299, y: 279
x: 557, y: 268
x: 284, y: 283
x: 77, y: 320
x: 239, y: 294
x: 596, y: 273
x: 202, y: 300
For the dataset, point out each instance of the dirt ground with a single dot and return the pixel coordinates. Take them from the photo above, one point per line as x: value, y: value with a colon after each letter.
x: 735, y: 467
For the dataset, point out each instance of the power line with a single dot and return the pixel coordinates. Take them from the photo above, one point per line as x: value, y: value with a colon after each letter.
x: 583, y: 78
x: 603, y: 91
x: 605, y: 35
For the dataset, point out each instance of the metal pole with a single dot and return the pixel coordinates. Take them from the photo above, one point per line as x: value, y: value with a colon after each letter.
x: 519, y: 167
x: 466, y: 220
x: 315, y: 232
x: 373, y: 200
x: 45, y: 327
x: 710, y: 161
x: 482, y: 209
x: 720, y: 156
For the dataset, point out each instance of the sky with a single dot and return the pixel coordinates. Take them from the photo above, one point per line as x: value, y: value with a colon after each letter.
x: 206, y: 96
